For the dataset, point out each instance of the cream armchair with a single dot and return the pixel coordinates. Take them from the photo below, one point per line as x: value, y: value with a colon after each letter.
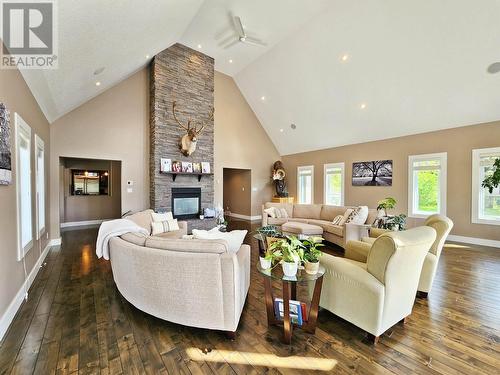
x: 358, y: 250
x: 381, y: 292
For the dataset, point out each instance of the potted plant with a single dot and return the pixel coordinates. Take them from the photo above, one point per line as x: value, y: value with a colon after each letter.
x: 493, y: 180
x: 266, y: 261
x: 386, y: 204
x: 288, y: 254
x: 397, y: 222
x: 312, y: 254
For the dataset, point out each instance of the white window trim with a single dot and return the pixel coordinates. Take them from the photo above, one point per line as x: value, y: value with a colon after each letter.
x: 22, y: 126
x: 443, y: 182
x: 305, y: 167
x: 39, y: 145
x: 342, y: 173
x: 476, y: 186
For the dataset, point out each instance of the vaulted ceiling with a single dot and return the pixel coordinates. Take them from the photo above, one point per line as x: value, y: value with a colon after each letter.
x: 341, y: 71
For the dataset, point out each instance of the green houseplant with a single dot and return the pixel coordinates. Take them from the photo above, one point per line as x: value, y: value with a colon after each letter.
x: 492, y: 181
x: 386, y: 204
x: 312, y: 254
x: 397, y: 222
x: 286, y: 249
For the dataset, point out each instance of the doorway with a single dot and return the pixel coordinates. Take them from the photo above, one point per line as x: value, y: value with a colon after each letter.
x: 237, y: 192
x: 89, y: 191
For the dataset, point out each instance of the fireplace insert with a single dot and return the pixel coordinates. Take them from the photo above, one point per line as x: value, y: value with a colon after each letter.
x: 186, y: 202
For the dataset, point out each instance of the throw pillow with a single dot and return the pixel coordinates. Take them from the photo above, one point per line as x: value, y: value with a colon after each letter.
x: 347, y: 213
x: 271, y: 212
x: 338, y: 220
x: 234, y: 238
x: 361, y: 216
x: 280, y: 213
x: 157, y: 218
x: 352, y: 215
x: 164, y: 226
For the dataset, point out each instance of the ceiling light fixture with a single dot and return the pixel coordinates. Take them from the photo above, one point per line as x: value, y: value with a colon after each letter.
x: 281, y: 130
x: 99, y: 71
x: 98, y: 83
x: 494, y: 68
x: 230, y: 61
x: 345, y: 57
x: 147, y: 56
x: 199, y: 46
x: 362, y: 106
x: 262, y: 98
x: 293, y: 126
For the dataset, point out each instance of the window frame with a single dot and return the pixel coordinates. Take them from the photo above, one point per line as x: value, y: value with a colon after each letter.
x: 305, y: 168
x: 23, y: 130
x: 342, y: 188
x: 40, y: 229
x: 443, y: 158
x: 476, y: 185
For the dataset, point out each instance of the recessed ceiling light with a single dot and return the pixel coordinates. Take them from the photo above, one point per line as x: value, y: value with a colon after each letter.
x: 230, y: 61
x: 199, y: 46
x: 281, y: 130
x: 494, y: 68
x: 345, y: 57
x: 98, y: 83
x: 147, y: 56
x: 262, y: 98
x: 362, y: 106
x: 99, y: 71
x: 293, y: 126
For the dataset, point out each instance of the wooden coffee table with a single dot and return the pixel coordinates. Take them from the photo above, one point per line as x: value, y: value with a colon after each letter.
x: 289, y: 287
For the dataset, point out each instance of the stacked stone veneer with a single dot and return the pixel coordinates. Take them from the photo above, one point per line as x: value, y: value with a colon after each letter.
x: 186, y: 76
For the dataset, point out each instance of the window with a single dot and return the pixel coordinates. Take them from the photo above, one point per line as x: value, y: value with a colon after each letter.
x: 23, y: 186
x: 427, y: 185
x: 305, y: 184
x: 485, y: 205
x: 334, y: 184
x: 89, y: 182
x: 40, y: 186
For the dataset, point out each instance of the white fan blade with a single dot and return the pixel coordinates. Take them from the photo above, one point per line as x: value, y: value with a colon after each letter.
x: 239, y: 27
x: 232, y: 43
x: 254, y: 41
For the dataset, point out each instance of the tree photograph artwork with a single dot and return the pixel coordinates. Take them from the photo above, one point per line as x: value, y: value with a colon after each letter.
x: 5, y: 155
x: 372, y: 173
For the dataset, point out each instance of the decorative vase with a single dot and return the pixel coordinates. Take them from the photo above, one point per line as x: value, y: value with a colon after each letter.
x: 289, y: 269
x: 311, y: 268
x: 265, y: 263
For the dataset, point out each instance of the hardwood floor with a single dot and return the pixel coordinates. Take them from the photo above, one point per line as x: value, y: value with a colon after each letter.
x: 75, y: 321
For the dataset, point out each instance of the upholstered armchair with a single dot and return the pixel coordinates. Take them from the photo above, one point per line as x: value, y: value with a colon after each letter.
x: 358, y: 250
x: 381, y: 292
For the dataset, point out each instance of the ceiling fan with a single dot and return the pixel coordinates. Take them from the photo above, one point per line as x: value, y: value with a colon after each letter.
x: 242, y: 36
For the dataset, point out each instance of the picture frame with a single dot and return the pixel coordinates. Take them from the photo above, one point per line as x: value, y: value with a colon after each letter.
x: 187, y: 167
x: 176, y: 166
x: 5, y: 147
x: 372, y: 173
x: 196, y: 167
x: 165, y: 165
x: 205, y: 167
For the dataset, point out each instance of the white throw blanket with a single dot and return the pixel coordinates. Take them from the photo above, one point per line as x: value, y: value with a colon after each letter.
x: 114, y: 228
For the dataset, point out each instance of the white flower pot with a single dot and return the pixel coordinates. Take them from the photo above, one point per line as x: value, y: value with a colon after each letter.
x: 265, y: 263
x: 311, y: 268
x: 289, y: 269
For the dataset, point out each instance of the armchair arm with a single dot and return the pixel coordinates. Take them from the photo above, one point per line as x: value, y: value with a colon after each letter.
x: 357, y: 250
x: 376, y: 232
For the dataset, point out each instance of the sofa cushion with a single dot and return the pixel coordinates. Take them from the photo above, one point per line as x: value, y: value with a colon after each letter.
x: 172, y: 234
x: 287, y: 206
x: 138, y: 239
x: 234, y: 238
x: 307, y: 211
x: 164, y: 226
x: 329, y: 212
x: 276, y: 221
x: 142, y: 219
x: 188, y: 246
x: 159, y: 217
x: 321, y: 223
x: 301, y: 228
x: 338, y: 230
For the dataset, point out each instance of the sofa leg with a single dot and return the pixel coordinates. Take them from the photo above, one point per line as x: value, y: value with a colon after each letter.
x: 422, y: 294
x: 231, y: 335
x: 372, y: 339
x: 404, y: 320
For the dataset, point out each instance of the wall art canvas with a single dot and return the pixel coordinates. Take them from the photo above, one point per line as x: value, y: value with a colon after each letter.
x: 165, y: 165
x: 372, y: 173
x: 187, y: 167
x: 197, y: 167
x: 176, y: 166
x: 5, y: 154
x: 205, y: 167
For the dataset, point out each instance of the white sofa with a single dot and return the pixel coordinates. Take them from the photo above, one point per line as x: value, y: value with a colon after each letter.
x: 381, y: 292
x: 197, y: 283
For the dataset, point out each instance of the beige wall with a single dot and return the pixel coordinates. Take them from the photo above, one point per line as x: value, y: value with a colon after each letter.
x: 237, y: 194
x: 91, y: 207
x: 458, y: 143
x: 113, y: 126
x: 17, y: 97
x: 241, y: 142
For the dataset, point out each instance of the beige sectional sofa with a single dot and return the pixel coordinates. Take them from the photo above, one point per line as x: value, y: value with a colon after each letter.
x: 193, y: 282
x: 321, y: 215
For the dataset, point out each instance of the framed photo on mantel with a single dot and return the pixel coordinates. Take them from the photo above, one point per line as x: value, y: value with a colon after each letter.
x: 205, y: 167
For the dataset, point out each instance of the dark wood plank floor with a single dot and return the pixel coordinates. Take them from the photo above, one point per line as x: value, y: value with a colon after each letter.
x: 75, y: 321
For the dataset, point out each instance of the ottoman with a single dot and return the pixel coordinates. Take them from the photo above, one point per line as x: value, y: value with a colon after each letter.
x: 296, y: 228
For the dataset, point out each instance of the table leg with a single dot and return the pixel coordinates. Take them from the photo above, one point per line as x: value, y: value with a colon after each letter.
x: 293, y: 293
x: 310, y: 327
x: 287, y: 324
x: 269, y: 301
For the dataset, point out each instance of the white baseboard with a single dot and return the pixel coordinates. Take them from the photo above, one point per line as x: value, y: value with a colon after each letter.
x: 245, y: 217
x: 14, y: 305
x: 81, y: 223
x: 474, y: 241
